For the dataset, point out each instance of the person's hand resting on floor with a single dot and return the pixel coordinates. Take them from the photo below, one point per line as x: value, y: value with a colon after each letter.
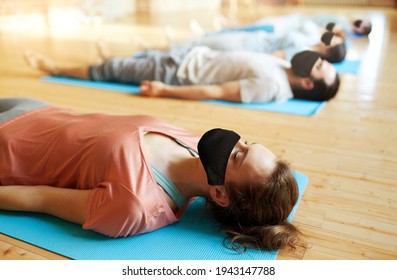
x: 151, y: 88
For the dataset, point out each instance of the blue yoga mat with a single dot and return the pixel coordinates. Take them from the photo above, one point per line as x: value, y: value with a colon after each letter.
x: 270, y: 28
x: 124, y: 88
x: 292, y: 106
x: 353, y: 35
x: 194, y: 237
x: 249, y: 28
x: 348, y: 66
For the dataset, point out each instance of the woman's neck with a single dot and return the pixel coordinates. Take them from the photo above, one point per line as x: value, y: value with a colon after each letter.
x: 190, y: 178
x: 176, y: 163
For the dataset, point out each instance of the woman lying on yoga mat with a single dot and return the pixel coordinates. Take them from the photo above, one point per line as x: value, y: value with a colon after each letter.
x: 201, y: 73
x: 126, y: 175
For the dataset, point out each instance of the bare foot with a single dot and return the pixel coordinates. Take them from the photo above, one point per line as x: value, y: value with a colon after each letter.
x: 139, y: 43
x: 196, y: 28
x: 40, y: 62
x: 221, y: 22
x: 169, y: 34
x: 103, y: 50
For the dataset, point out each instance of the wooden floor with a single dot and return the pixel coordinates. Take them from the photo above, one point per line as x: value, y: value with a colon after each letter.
x: 348, y: 149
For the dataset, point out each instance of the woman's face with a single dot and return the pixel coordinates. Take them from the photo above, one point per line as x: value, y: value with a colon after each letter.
x: 248, y: 161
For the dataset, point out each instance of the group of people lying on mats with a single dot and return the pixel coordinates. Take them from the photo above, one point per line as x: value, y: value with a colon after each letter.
x: 127, y: 175
x: 237, y: 66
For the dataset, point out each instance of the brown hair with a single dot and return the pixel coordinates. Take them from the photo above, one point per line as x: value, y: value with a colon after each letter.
x: 335, y: 54
x: 257, y: 214
x: 320, y: 92
x: 367, y: 29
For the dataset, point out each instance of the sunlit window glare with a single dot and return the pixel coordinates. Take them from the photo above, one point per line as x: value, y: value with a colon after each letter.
x: 369, y: 70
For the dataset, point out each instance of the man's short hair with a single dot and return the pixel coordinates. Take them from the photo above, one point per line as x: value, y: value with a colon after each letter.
x: 367, y: 29
x: 335, y: 54
x: 320, y: 92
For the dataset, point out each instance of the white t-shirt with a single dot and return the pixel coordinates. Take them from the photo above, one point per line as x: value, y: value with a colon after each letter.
x: 256, y: 41
x: 305, y: 25
x: 262, y: 76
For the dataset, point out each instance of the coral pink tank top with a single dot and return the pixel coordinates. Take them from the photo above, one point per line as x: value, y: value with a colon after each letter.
x: 61, y: 148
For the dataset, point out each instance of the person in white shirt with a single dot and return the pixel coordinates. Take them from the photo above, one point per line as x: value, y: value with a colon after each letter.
x: 202, y: 73
x: 331, y: 46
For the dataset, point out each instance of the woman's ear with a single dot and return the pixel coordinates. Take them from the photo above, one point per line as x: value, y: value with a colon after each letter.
x: 219, y: 195
x: 306, y: 83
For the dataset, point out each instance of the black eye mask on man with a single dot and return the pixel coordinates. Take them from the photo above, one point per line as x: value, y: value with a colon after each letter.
x: 330, y: 26
x: 326, y: 38
x: 302, y: 63
x: 214, y: 150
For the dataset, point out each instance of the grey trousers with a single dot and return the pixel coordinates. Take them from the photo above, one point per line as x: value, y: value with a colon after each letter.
x: 152, y: 65
x: 12, y: 107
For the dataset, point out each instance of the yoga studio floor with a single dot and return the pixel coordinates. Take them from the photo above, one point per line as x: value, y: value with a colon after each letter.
x: 348, y: 149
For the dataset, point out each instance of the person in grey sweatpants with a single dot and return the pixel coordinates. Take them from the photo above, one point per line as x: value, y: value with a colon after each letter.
x: 202, y: 73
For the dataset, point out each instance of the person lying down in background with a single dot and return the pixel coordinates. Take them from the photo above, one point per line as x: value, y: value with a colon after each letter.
x: 198, y: 73
x: 330, y: 46
x: 309, y: 24
x: 132, y: 174
x: 290, y: 33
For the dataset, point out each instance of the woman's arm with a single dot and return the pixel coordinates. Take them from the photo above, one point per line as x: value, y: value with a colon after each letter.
x: 229, y: 91
x: 67, y: 204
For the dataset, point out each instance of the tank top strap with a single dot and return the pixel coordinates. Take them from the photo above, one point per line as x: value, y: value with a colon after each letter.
x: 169, y: 188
